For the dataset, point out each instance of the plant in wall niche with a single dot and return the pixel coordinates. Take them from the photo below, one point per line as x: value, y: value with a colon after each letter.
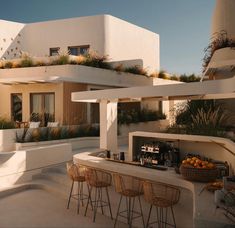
x: 218, y: 41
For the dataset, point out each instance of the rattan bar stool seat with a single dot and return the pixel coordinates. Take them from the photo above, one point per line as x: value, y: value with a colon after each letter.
x: 98, y: 179
x: 130, y: 188
x: 162, y: 196
x: 159, y: 202
x: 76, y: 174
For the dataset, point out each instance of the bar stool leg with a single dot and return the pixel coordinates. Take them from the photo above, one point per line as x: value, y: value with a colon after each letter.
x: 100, y: 199
x: 173, y: 215
x: 132, y: 211
x: 78, y: 206
x: 150, y: 211
x: 110, y: 211
x: 141, y: 211
x: 81, y: 193
x: 89, y: 199
x: 127, y: 211
x: 119, y: 204
x: 96, y: 204
x: 71, y: 190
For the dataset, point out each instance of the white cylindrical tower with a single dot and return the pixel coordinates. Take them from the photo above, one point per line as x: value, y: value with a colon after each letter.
x: 224, y: 18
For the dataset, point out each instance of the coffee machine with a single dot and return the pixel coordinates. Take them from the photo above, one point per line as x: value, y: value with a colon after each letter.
x: 159, y: 153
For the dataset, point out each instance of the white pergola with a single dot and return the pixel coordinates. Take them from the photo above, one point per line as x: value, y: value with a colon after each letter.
x: 108, y: 100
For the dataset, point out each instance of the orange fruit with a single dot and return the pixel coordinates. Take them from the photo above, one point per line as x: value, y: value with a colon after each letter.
x: 188, y: 159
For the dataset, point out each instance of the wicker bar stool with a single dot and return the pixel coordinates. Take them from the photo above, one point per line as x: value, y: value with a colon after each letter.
x: 76, y: 174
x: 98, y: 180
x: 130, y: 188
x: 163, y: 197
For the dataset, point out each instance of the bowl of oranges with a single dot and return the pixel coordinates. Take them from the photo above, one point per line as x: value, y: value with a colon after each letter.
x: 196, y: 169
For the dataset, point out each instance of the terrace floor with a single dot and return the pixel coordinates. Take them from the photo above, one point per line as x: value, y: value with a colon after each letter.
x: 39, y: 208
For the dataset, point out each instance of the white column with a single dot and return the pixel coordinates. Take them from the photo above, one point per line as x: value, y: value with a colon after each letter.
x: 108, y: 125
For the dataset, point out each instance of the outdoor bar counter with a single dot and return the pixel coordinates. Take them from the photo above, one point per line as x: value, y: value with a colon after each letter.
x: 201, y: 204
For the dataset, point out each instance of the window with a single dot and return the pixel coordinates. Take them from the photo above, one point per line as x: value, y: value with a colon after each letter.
x: 42, y: 107
x: 54, y: 51
x: 78, y: 50
x: 16, y: 107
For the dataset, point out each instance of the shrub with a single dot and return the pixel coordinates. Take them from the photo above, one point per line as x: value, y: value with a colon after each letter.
x: 163, y: 74
x: 134, y: 116
x: 26, y: 62
x: 201, y: 117
x: 218, y: 41
x: 8, y: 65
x: 136, y: 70
x: 6, y: 124
x: 119, y: 67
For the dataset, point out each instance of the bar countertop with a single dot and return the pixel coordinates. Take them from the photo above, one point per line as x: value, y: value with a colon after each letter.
x: 204, y: 209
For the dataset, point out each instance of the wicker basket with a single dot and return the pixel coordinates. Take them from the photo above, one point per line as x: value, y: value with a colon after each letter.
x: 197, y: 174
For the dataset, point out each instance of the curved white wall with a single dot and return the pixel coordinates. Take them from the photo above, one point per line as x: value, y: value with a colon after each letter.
x: 224, y: 18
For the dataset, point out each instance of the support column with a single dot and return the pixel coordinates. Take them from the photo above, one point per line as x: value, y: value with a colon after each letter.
x: 108, y: 125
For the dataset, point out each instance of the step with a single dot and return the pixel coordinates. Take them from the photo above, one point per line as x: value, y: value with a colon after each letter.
x: 53, y: 187
x: 56, y: 169
x: 59, y: 178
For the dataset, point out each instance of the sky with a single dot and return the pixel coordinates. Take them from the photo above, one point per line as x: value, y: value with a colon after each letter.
x: 183, y: 25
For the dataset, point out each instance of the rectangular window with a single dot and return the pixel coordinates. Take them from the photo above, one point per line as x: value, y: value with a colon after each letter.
x: 42, y: 107
x: 78, y: 50
x: 54, y: 51
x: 16, y: 107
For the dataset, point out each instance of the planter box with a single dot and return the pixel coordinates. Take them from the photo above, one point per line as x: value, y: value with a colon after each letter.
x: 150, y: 126
x: 7, y: 140
x: 76, y: 143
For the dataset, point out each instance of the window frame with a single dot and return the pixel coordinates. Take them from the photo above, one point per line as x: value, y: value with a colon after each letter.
x: 54, y: 49
x: 43, y: 94
x: 12, y: 95
x: 79, y: 47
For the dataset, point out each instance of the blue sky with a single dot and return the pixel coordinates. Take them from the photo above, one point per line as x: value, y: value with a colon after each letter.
x: 183, y: 25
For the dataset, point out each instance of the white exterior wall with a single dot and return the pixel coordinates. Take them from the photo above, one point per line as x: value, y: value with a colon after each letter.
x: 105, y: 34
x: 40, y: 37
x: 10, y: 40
x: 126, y: 41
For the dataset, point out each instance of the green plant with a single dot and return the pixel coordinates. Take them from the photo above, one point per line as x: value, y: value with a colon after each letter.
x: 136, y: 70
x: 201, y: 117
x: 8, y: 65
x: 6, y: 124
x: 189, y: 78
x: 218, y: 41
x: 135, y: 116
x: 163, y: 74
x: 26, y: 62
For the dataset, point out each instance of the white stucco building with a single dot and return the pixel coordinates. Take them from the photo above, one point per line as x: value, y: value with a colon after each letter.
x: 107, y: 35
x: 47, y: 89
